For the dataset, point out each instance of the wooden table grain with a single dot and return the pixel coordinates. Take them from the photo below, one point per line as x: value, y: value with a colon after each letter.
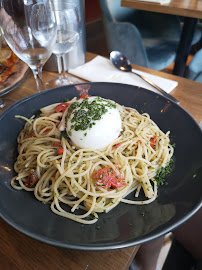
x: 185, y: 8
x: 20, y: 252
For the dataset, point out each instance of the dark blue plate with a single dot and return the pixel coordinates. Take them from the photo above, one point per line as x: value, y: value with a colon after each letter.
x: 126, y: 225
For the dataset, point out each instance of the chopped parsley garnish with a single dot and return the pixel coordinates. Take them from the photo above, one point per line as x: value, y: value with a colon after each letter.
x: 85, y: 113
x: 64, y: 135
x: 162, y: 172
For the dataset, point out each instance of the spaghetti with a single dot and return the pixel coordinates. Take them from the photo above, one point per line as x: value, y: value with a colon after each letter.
x: 80, y: 183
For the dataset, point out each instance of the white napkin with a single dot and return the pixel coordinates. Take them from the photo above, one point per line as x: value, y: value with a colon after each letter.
x: 101, y: 69
x: 162, y: 2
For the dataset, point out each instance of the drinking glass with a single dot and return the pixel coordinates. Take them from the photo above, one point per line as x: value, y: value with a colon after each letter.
x: 68, y: 33
x: 29, y: 28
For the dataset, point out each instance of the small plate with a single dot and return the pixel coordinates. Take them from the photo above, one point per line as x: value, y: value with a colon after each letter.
x: 20, y: 74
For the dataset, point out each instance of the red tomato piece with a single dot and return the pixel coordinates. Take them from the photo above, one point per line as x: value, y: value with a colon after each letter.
x: 84, y: 96
x: 114, y: 147
x: 57, y: 144
x: 32, y: 178
x: 60, y: 151
x: 107, y: 178
x: 61, y: 107
x: 27, y: 183
x: 30, y: 135
x: 46, y: 130
x: 153, y: 141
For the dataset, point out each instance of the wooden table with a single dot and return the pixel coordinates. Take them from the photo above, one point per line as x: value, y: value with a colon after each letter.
x: 19, y: 252
x: 191, y: 10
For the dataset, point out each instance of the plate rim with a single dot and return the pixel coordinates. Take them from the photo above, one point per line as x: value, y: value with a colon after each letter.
x: 99, y: 246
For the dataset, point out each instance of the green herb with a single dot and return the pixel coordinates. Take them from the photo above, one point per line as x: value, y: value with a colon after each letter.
x: 162, y: 172
x: 93, y: 217
x: 194, y: 176
x: 85, y: 113
x: 36, y: 113
x: 64, y: 135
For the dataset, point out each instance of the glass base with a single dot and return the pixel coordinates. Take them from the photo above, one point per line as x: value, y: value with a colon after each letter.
x: 5, y: 103
x: 56, y: 82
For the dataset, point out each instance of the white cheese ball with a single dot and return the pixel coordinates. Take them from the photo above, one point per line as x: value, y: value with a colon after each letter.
x: 99, y: 133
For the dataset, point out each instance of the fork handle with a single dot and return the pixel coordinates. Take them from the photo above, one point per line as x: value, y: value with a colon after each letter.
x: 164, y: 93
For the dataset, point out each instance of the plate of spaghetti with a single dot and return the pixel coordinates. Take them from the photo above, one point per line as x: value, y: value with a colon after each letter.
x: 98, y: 166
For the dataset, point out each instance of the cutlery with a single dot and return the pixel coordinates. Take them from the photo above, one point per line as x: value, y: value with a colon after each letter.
x: 122, y: 63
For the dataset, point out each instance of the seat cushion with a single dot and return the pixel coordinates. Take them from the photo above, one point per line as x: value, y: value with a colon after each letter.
x: 162, y: 55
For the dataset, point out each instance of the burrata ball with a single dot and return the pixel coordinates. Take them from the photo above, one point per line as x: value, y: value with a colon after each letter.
x: 93, y: 122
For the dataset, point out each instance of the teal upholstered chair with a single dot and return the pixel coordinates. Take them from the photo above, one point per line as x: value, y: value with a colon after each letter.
x: 194, y: 71
x: 146, y: 38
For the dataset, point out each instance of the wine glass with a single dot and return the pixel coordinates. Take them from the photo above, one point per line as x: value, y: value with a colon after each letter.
x: 29, y: 28
x: 68, y: 33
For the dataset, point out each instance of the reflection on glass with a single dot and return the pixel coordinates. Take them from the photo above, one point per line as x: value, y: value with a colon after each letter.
x: 29, y: 28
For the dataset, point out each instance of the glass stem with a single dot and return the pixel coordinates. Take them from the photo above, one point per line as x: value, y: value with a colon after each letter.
x: 38, y: 78
x: 61, y: 67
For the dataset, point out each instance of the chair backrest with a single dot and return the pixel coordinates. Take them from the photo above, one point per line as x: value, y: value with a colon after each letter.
x: 148, y: 39
x: 150, y: 24
x: 107, y: 16
x: 118, y: 12
x: 122, y: 36
x: 194, y: 71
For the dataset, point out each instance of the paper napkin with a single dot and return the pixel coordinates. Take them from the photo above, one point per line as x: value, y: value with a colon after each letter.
x: 101, y: 69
